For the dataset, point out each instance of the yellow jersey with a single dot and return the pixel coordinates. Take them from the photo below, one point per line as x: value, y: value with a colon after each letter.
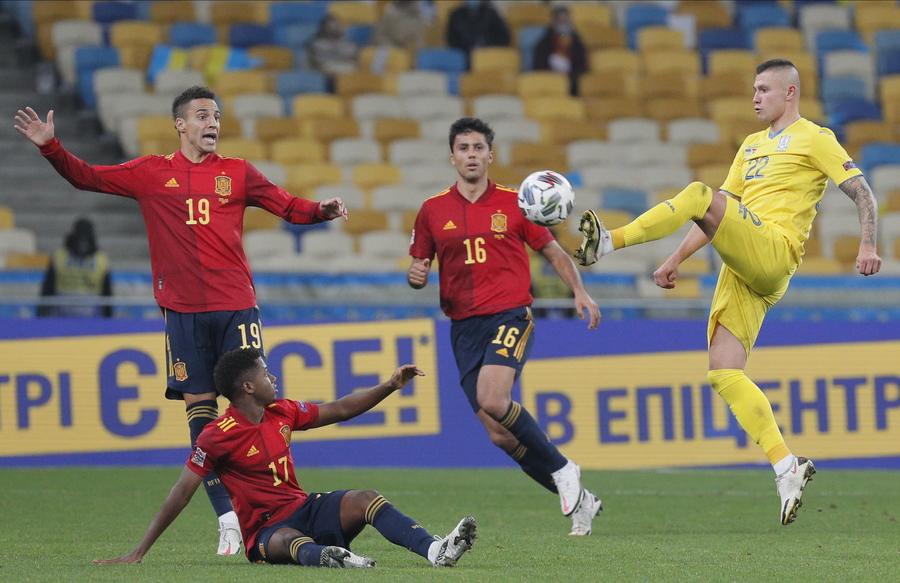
x: 781, y: 177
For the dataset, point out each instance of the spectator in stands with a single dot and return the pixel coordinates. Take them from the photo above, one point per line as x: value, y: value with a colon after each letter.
x: 330, y: 51
x: 479, y: 237
x: 281, y: 522
x: 402, y: 25
x: 757, y: 222
x: 476, y: 24
x: 561, y: 49
x: 78, y: 269
x: 193, y: 204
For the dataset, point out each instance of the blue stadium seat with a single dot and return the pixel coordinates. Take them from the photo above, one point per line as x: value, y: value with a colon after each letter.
x: 281, y: 13
x: 846, y: 110
x: 87, y: 60
x: 639, y: 15
x: 528, y: 39
x: 291, y: 83
x: 886, y: 40
x: 887, y: 62
x: 244, y: 35
x: 753, y: 15
x: 109, y: 12
x: 878, y: 154
x: 446, y: 60
x: 360, y: 33
x: 191, y: 34
x: 842, y: 88
x: 714, y: 39
x: 839, y: 40
x: 630, y: 201
x: 294, y: 36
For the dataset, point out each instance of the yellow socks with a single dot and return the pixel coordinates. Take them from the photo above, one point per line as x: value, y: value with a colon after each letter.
x: 665, y: 218
x: 752, y: 410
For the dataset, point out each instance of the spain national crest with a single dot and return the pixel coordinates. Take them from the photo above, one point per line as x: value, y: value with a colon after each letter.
x: 180, y: 369
x: 285, y: 432
x: 223, y: 185
x: 498, y: 223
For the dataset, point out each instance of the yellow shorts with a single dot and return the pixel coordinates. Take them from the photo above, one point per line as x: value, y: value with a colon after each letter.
x: 758, y: 264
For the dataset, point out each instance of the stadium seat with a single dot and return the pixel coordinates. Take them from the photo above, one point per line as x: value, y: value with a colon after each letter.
x: 66, y: 37
x: 386, y: 59
x: 495, y: 59
x: 582, y: 154
x: 877, y: 154
x: 528, y: 38
x: 837, y: 40
x: 871, y: 17
x: 364, y: 221
x: 388, y: 129
x: 371, y: 106
x: 292, y: 35
x: 110, y: 12
x: 692, y: 130
x: 448, y: 60
x: 118, y: 80
x: 327, y: 129
x: 273, y: 58
x: 515, y: 130
x: 242, y: 148
x: 542, y: 84
x: 289, y: 84
x: 606, y: 109
x: 668, y: 108
x: 660, y: 38
x: 429, y: 178
x: 492, y: 107
x: 191, y: 34
x: 358, y: 82
x: 409, y: 151
x: 486, y: 83
x: 247, y: 34
x: 297, y: 12
x: 256, y: 219
x: 755, y: 15
x: 303, y: 179
x: 254, y: 105
x: 888, y: 62
x: 773, y: 39
x: 522, y: 14
x: 7, y: 218
x: 813, y: 18
x: 369, y: 175
x: 312, y: 105
x: 608, y: 84
x: 851, y: 64
x: 664, y: 83
x: 726, y: 60
x: 421, y: 83
x: 701, y: 154
x: 591, y: 14
x: 728, y: 84
x: 619, y: 60
x: 842, y: 111
x: 394, y: 198
x: 715, y: 39
x: 608, y: 37
x: 684, y: 62
x: 841, y: 89
x: 634, y: 130
x: 295, y: 150
x: 354, y: 12
x: 544, y: 108
x: 350, y: 151
x: 266, y: 243
x: 275, y: 172
x: 231, y: 83
x: 427, y: 107
x: 17, y: 240
x: 538, y: 154
x: 172, y: 82
x: 632, y: 201
x: 861, y: 132
x: 639, y: 15
x: 706, y: 13
x: 886, y: 40
x: 386, y: 244
x: 353, y: 196
x: 89, y: 59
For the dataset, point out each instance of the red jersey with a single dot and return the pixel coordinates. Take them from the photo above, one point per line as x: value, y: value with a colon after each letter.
x: 195, y: 220
x: 480, y: 248
x: 254, y: 462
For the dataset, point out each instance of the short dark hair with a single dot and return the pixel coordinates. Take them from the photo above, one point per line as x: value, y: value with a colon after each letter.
x: 465, y: 125
x: 774, y: 64
x: 234, y: 368
x: 188, y: 95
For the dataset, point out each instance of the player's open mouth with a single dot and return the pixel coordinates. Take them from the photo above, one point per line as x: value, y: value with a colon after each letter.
x: 209, y: 138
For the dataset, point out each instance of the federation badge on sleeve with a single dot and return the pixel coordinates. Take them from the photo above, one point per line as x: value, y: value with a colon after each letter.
x: 849, y: 165
x: 223, y: 185
x: 198, y: 457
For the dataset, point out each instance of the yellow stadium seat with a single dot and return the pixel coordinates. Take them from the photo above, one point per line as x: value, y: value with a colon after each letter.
x: 135, y: 40
x: 613, y: 219
x: 890, y: 204
x: 727, y: 84
x: 353, y: 12
x: 7, y: 218
x: 302, y: 179
x: 274, y: 58
x: 543, y: 84
x: 688, y: 288
x: 358, y: 83
x: 231, y: 83
x: 230, y: 127
x: 242, y: 148
x: 269, y: 129
x: 486, y: 83
x: 725, y: 60
x: 622, y: 60
x: 731, y: 108
x: 257, y: 218
x: 519, y: 14
x: 564, y: 131
x: 889, y: 88
x: 806, y: 64
x: 660, y: 38
x: 388, y: 59
x: 706, y: 154
x: 845, y: 249
x: 606, y: 37
x: 686, y: 62
x: 667, y: 108
x: 820, y: 266
x: 156, y: 127
x: 713, y: 175
x: 388, y: 129
x: 365, y: 220
x: 707, y: 13
x: 224, y: 13
x: 295, y: 150
x: 871, y: 16
x: 531, y: 154
x: 495, y: 59
x: 604, y: 109
x: 668, y: 83
x: 511, y: 176
x: 861, y: 132
x: 591, y: 14
x: 608, y: 84
x: 160, y: 147
x: 544, y: 108
x: 326, y: 130
x: 27, y: 261
x: 778, y: 38
x: 45, y: 14
x: 171, y: 11
x: 813, y: 110
x: 318, y: 105
x: 370, y: 175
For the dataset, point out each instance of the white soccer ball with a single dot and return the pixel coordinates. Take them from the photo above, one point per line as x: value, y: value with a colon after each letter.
x: 546, y: 198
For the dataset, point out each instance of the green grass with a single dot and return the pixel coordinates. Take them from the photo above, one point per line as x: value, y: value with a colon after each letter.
x: 718, y: 525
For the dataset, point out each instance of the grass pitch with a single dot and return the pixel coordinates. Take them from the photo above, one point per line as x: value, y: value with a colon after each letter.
x: 717, y: 525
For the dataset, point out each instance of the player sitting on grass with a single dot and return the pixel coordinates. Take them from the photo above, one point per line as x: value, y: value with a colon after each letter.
x: 249, y: 448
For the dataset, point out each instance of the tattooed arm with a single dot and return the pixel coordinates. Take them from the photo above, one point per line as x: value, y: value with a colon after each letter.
x: 867, y: 262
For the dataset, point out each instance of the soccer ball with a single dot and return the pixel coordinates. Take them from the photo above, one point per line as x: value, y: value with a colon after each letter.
x: 546, y: 198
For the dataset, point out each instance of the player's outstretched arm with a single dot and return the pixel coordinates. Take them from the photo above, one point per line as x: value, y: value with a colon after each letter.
x: 177, y: 499
x: 567, y: 271
x: 29, y: 124
x: 359, y: 402
x: 867, y: 261
x: 333, y: 208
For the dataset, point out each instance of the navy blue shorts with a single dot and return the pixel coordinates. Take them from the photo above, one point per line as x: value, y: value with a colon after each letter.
x: 195, y: 342
x: 504, y: 338
x: 318, y: 518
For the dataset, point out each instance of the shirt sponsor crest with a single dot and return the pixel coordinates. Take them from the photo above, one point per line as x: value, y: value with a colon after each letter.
x: 198, y: 457
x: 498, y: 223
x: 223, y: 185
x: 180, y: 369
